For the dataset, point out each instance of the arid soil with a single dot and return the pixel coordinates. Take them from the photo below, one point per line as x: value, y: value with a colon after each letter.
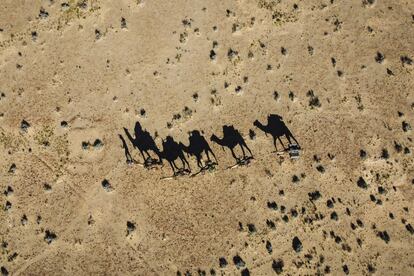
x: 75, y: 73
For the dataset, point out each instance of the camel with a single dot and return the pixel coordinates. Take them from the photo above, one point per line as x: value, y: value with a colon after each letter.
x: 171, y: 150
x: 232, y: 138
x: 277, y: 128
x: 197, y: 146
x: 143, y: 142
x: 125, y: 147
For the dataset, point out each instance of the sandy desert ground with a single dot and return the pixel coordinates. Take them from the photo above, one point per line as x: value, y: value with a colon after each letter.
x: 76, y: 74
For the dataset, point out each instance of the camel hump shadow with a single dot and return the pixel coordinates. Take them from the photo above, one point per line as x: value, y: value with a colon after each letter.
x: 144, y: 137
x: 197, y: 145
x: 170, y: 148
x: 232, y: 138
x: 277, y: 128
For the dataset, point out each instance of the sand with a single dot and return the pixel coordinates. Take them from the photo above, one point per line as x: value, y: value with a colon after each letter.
x: 74, y: 74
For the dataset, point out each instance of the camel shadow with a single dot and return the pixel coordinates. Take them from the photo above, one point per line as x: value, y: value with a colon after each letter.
x: 171, y: 151
x: 277, y: 128
x: 199, y: 145
x: 143, y: 141
x: 231, y: 139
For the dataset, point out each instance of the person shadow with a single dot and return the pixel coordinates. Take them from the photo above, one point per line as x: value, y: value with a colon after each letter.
x: 171, y: 151
x: 128, y: 156
x: 197, y: 146
x: 277, y: 128
x: 231, y: 139
x: 143, y: 141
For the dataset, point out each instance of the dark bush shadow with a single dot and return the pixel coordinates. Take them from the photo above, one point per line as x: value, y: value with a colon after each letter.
x: 232, y: 138
x: 171, y: 151
x: 144, y: 142
x: 277, y: 128
x: 198, y: 145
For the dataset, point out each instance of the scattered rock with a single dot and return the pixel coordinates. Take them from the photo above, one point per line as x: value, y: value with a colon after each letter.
x: 4, y: 271
x: 295, y: 178
x: 276, y: 95
x: 270, y: 224
x: 384, y: 236
x: 232, y: 54
x: 64, y: 124
x: 43, y: 13
x: 379, y: 58
x: 212, y: 55
x: 345, y: 269
x: 85, y: 145
x: 272, y: 205
x: 320, y: 169
x: 47, y: 187
x: 296, y: 244
x: 370, y: 268
x: 409, y: 229
x: 7, y: 206
x: 97, y: 144
x: 91, y: 221
x: 9, y: 191
x: 313, y: 100
x: 313, y: 196
x: 24, y: 125
x: 406, y: 126
x: 310, y: 50
x: 222, y: 262
x: 130, y: 227
x: 49, y: 236
x: 252, y: 228
x: 64, y: 6
x: 123, y: 23
x: 238, y: 261
x: 329, y: 203
x: 97, y: 34
x: 406, y: 60
x: 277, y: 266
x: 23, y: 220
x: 385, y: 154
x: 34, y: 35
x: 106, y: 185
x: 361, y: 183
x: 245, y: 272
x: 269, y: 247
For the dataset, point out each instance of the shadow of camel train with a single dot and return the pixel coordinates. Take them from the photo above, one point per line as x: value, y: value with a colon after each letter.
x: 231, y: 139
x: 198, y: 145
x: 144, y: 142
x: 277, y: 128
x: 171, y: 151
